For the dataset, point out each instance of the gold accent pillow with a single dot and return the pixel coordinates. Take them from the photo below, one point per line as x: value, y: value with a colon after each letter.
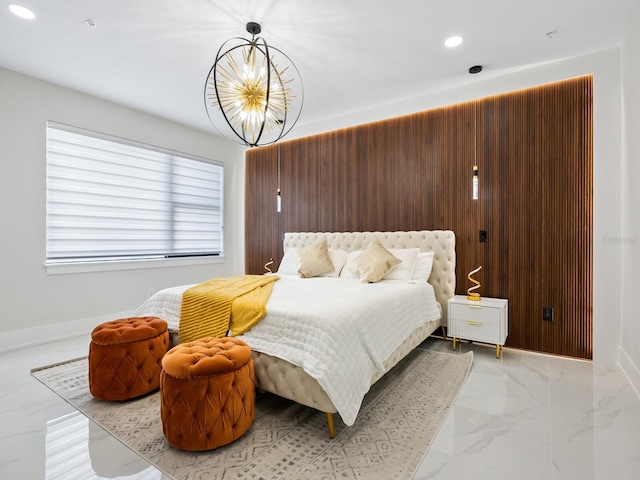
x: 373, y: 263
x: 314, y: 260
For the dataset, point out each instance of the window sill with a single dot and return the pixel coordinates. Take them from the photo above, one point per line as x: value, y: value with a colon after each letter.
x: 63, y: 268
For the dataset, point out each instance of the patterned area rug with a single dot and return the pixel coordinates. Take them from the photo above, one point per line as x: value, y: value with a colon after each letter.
x: 398, y: 420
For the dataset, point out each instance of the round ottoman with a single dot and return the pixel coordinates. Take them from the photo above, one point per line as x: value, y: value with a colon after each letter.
x: 125, y: 356
x: 207, y: 393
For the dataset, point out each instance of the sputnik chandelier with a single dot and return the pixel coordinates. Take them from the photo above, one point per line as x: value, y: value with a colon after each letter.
x: 253, y: 93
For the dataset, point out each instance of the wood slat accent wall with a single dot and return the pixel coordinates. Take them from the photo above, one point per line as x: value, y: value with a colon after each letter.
x: 535, y: 158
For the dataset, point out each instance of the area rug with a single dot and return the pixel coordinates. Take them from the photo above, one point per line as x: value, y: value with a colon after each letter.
x: 398, y: 420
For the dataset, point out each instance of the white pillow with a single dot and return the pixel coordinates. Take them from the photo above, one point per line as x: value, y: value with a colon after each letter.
x: 404, y: 270
x: 423, y: 266
x: 338, y: 258
x: 346, y: 272
x: 289, y: 263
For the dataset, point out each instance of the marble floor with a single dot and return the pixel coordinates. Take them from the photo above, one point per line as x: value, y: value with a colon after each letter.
x: 524, y: 416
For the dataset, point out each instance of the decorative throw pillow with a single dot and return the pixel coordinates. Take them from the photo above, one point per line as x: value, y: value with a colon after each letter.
x: 289, y: 262
x: 314, y: 260
x: 373, y: 263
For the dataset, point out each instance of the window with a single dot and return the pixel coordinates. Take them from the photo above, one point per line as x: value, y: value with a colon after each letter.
x: 111, y: 200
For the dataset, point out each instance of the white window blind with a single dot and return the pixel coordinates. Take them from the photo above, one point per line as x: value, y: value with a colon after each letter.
x: 110, y: 199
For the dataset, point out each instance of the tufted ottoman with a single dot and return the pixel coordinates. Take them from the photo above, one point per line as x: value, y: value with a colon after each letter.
x: 125, y: 356
x: 207, y: 393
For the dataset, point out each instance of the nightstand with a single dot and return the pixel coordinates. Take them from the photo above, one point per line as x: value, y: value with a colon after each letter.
x: 485, y: 320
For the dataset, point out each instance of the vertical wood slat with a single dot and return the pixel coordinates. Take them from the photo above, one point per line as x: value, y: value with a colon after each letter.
x: 261, y: 219
x: 535, y: 158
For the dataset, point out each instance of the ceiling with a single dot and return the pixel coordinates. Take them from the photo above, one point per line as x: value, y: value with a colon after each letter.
x: 154, y: 55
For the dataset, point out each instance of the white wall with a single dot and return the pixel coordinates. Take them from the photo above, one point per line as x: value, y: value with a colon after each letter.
x: 605, y: 67
x: 37, y: 306
x: 630, y: 239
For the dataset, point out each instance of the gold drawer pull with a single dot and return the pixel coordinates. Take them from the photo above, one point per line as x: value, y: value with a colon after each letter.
x: 474, y: 306
x: 474, y: 323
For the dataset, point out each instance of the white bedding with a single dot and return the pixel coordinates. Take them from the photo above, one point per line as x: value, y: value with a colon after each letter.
x: 339, y: 330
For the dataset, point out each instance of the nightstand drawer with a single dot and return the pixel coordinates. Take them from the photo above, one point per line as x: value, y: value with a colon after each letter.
x: 475, y: 330
x: 474, y: 313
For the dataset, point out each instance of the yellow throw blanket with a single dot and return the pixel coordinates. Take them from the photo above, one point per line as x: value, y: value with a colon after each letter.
x: 212, y: 308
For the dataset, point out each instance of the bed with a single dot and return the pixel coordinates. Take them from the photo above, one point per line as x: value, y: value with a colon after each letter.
x: 305, y: 349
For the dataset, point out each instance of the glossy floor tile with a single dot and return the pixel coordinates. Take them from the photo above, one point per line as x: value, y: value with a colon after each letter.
x: 43, y: 437
x: 532, y: 416
x: 524, y: 416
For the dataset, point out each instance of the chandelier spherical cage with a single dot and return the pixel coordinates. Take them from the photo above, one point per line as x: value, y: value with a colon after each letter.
x: 253, y: 93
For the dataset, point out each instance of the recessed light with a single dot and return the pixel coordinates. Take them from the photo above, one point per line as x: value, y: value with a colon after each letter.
x: 453, y: 41
x: 20, y: 11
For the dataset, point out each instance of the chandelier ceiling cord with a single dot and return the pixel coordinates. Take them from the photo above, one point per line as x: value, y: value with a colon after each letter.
x: 253, y: 92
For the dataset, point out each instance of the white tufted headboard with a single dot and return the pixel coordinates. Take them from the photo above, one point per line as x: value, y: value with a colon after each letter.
x: 442, y: 242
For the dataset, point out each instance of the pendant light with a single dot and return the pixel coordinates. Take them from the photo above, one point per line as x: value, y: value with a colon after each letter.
x: 474, y: 182
x: 278, y: 192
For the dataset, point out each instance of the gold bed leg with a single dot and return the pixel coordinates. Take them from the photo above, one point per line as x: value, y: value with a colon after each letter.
x: 332, y: 432
x: 444, y: 333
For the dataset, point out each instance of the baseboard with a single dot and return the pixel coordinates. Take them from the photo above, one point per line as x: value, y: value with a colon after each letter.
x: 28, y: 337
x: 630, y: 369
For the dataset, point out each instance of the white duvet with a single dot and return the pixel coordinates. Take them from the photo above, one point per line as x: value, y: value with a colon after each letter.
x: 339, y: 330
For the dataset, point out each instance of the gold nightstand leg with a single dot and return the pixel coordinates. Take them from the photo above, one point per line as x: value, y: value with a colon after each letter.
x: 454, y: 342
x: 498, y: 350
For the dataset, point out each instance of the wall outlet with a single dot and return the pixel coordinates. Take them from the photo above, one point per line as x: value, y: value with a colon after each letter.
x: 483, y: 236
x: 547, y: 314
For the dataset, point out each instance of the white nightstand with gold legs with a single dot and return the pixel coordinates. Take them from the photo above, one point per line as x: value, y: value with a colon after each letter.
x: 485, y: 320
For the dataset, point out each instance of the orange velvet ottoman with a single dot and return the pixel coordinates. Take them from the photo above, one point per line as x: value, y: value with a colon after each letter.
x: 125, y: 357
x: 207, y: 393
